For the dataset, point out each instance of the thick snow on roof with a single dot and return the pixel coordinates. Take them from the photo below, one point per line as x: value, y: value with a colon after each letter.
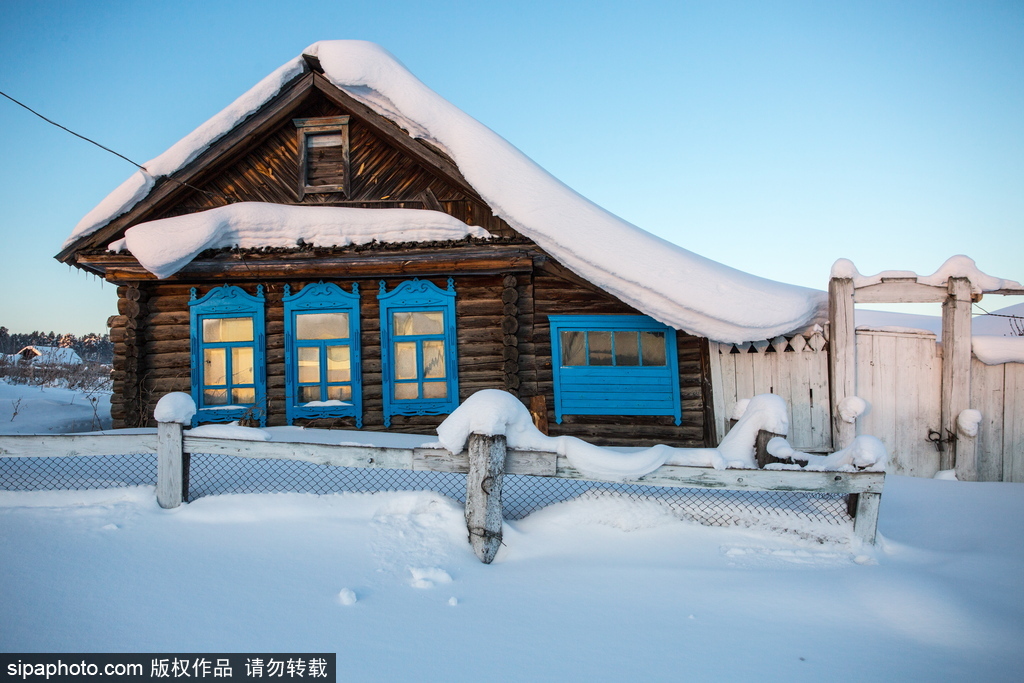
x: 955, y: 266
x: 661, y: 279
x: 53, y: 355
x: 255, y: 224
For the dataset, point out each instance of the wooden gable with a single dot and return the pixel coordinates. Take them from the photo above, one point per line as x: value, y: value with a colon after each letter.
x: 259, y: 161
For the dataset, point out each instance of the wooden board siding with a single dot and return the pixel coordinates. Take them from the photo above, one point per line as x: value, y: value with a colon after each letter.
x: 382, y: 176
x: 554, y: 295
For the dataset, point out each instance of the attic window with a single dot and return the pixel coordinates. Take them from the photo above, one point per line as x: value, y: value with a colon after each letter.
x: 323, y: 155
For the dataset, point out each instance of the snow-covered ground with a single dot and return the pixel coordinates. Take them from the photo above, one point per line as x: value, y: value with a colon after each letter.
x: 590, y: 589
x: 585, y: 590
x: 28, y: 409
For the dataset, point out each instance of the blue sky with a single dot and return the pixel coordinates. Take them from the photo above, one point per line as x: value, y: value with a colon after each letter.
x: 773, y: 137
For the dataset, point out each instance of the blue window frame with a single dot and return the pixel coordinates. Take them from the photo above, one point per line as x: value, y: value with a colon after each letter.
x: 229, y: 370
x: 321, y: 353
x: 417, y: 344
x: 614, y: 365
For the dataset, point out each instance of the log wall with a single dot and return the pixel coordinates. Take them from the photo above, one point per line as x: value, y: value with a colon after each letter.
x: 564, y: 295
x: 503, y: 343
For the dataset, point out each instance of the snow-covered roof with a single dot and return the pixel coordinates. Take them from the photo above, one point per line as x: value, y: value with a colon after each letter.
x: 52, y: 355
x: 669, y: 283
x: 255, y: 224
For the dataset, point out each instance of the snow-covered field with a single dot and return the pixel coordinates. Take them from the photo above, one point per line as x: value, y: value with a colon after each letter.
x: 598, y: 589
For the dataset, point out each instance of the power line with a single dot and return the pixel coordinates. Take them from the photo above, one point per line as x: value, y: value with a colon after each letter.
x: 208, y: 193
x: 22, y: 104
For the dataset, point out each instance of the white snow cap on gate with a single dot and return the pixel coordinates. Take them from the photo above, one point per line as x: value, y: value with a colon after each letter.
x: 955, y: 266
x: 668, y: 283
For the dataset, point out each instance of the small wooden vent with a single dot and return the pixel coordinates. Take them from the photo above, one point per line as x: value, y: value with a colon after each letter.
x: 323, y: 155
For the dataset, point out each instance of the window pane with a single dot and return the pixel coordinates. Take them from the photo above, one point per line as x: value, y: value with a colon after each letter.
x: 406, y: 391
x: 627, y: 351
x: 339, y: 365
x: 339, y: 393
x: 405, y: 360
x: 417, y: 322
x: 241, y: 365
x: 307, y: 394
x: 227, y: 329
x: 433, y: 359
x: 309, y: 364
x: 321, y: 326
x: 573, y: 348
x: 600, y: 344
x: 435, y: 390
x: 215, y: 369
x: 215, y: 397
x: 653, y: 344
x: 243, y: 395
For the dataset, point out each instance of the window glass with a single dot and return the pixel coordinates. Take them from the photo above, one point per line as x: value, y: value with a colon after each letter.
x: 243, y: 395
x: 241, y: 365
x: 627, y: 350
x: 216, y: 369
x: 407, y: 323
x: 600, y: 347
x: 405, y: 360
x: 339, y: 393
x: 309, y: 364
x: 215, y: 397
x: 339, y: 365
x: 433, y: 359
x: 435, y: 390
x: 321, y: 326
x: 573, y: 348
x: 653, y: 344
x: 406, y: 391
x: 307, y: 394
x: 227, y: 330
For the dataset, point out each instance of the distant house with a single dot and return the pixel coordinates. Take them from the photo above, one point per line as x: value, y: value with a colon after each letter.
x: 48, y: 355
x: 341, y: 247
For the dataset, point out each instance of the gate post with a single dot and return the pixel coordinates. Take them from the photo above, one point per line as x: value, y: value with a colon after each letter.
x: 842, y: 350
x: 483, y: 494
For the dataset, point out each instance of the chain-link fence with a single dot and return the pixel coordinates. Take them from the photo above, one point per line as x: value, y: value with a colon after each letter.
x: 521, y: 494
x: 77, y: 472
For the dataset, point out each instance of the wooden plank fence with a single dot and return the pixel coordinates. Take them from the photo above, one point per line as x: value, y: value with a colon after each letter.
x: 794, y: 367
x: 485, y: 462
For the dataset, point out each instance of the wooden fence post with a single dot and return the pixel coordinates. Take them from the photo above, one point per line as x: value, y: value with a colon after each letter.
x: 169, y: 464
x: 966, y: 455
x: 956, y: 364
x: 865, y: 521
x: 842, y: 345
x: 761, y: 448
x: 483, y: 494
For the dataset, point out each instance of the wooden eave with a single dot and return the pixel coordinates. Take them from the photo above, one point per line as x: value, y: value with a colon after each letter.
x: 244, y: 137
x: 467, y: 259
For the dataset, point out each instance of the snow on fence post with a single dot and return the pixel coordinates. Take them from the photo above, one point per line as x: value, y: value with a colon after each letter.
x: 956, y: 364
x: 171, y: 412
x: 842, y: 356
x: 483, y: 494
x: 169, y: 468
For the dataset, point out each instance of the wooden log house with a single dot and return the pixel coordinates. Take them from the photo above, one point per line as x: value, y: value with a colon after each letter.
x: 388, y: 335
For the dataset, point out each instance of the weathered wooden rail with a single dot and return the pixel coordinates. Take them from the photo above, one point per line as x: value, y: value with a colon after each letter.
x: 485, y: 461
